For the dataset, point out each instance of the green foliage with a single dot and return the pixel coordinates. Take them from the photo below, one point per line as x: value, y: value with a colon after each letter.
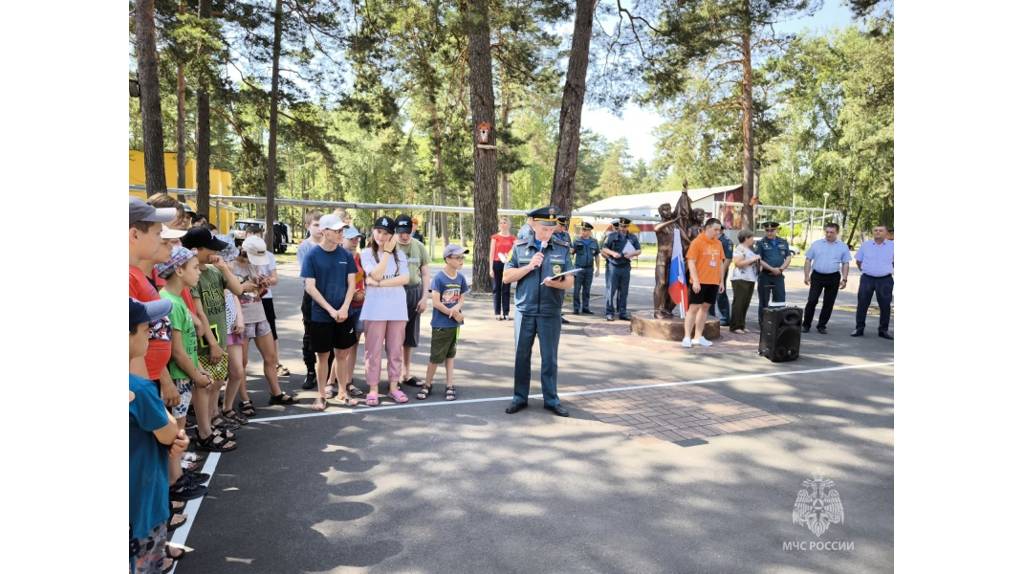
x: 374, y: 94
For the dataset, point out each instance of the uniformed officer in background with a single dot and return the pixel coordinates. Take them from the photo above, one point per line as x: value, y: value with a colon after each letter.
x: 775, y: 258
x: 534, y: 260
x: 562, y: 232
x: 616, y: 288
x: 585, y: 248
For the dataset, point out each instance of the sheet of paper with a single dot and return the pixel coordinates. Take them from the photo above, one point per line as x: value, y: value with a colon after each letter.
x: 564, y: 273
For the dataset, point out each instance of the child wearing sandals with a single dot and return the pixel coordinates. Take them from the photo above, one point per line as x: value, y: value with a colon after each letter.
x: 329, y: 276
x: 447, y: 291
x: 384, y: 311
x: 253, y: 254
x: 181, y: 272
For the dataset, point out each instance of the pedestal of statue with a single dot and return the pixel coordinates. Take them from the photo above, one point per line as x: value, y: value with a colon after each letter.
x: 645, y: 324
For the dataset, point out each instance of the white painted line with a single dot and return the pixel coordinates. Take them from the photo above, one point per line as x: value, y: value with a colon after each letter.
x: 192, y: 506
x: 368, y: 410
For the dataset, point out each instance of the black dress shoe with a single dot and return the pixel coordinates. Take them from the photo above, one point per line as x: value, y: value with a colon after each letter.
x: 885, y: 335
x: 857, y: 333
x: 515, y: 407
x: 575, y: 312
x: 624, y: 317
x: 587, y: 312
x: 806, y: 329
x: 558, y: 410
x: 822, y: 330
x: 565, y: 321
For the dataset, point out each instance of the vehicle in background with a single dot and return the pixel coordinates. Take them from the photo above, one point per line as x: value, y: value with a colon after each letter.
x: 282, y: 233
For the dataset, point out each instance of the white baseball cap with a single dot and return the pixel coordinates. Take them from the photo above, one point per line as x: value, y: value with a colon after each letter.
x: 331, y: 221
x: 256, y: 249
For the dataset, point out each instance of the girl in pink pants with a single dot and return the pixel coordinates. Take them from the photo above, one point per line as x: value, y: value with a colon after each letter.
x: 384, y: 309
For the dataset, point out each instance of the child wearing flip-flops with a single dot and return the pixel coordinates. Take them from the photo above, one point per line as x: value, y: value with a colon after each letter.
x: 447, y: 290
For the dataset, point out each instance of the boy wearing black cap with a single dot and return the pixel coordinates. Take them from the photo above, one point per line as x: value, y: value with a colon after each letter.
x: 417, y: 297
x: 216, y: 276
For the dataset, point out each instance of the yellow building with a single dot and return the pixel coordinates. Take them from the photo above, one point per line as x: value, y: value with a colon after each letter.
x: 223, y: 216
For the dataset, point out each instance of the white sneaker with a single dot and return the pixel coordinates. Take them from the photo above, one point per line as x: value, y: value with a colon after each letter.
x: 703, y: 342
x: 687, y: 343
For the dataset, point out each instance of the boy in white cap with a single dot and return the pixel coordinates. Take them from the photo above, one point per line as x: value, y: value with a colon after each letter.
x: 329, y: 275
x: 447, y: 290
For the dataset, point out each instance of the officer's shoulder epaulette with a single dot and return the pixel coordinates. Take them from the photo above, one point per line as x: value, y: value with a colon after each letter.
x: 523, y: 241
x: 559, y: 241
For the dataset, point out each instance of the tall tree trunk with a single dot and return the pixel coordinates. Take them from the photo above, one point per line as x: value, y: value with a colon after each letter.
x: 436, y: 136
x: 748, y: 126
x: 180, y: 125
x: 485, y: 174
x: 506, y: 104
x: 272, y: 140
x: 203, y: 133
x: 149, y: 98
x: 180, y: 129
x: 856, y: 223
x: 564, y: 184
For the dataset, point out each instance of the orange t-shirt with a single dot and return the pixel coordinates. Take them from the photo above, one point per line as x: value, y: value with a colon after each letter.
x: 709, y: 256
x: 159, y: 352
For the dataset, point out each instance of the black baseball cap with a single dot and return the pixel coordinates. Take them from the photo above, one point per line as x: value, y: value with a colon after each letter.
x: 386, y: 223
x: 198, y: 237
x: 403, y: 224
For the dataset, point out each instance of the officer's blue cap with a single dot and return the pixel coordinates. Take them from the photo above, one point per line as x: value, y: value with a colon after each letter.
x: 770, y: 225
x: 547, y: 215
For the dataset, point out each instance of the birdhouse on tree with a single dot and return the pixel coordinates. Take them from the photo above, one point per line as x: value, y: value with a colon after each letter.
x: 483, y: 132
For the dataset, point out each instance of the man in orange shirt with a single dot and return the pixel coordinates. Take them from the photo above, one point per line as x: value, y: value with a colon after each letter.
x: 704, y: 260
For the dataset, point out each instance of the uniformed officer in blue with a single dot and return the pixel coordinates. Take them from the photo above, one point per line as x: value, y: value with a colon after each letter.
x: 585, y: 248
x: 616, y: 288
x: 775, y: 258
x: 562, y: 232
x: 535, y: 258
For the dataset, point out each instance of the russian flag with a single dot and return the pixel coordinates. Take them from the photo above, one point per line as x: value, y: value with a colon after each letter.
x: 677, y: 276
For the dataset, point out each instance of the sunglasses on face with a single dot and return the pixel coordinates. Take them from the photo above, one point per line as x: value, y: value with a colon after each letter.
x: 459, y: 257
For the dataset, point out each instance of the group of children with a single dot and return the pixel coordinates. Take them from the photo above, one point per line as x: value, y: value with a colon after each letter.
x: 356, y: 287
x: 195, y: 303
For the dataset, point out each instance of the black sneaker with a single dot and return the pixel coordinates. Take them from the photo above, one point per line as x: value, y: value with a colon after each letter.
x: 310, y: 382
x: 187, y: 489
x: 822, y: 330
x: 197, y: 477
x: 587, y: 312
x: 805, y: 329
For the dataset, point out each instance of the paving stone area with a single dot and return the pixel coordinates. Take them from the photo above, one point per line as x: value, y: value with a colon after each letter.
x: 678, y: 413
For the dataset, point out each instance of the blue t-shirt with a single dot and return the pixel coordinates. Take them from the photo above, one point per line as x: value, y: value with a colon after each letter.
x: 147, y: 459
x: 331, y: 270
x: 450, y: 288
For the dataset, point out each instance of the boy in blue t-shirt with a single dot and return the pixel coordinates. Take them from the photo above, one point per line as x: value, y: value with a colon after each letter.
x: 447, y: 291
x: 150, y: 430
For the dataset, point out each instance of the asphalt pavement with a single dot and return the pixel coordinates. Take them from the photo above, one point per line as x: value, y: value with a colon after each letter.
x: 699, y: 472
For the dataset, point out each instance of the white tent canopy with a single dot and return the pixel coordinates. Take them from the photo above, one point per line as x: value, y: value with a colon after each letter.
x: 645, y: 205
